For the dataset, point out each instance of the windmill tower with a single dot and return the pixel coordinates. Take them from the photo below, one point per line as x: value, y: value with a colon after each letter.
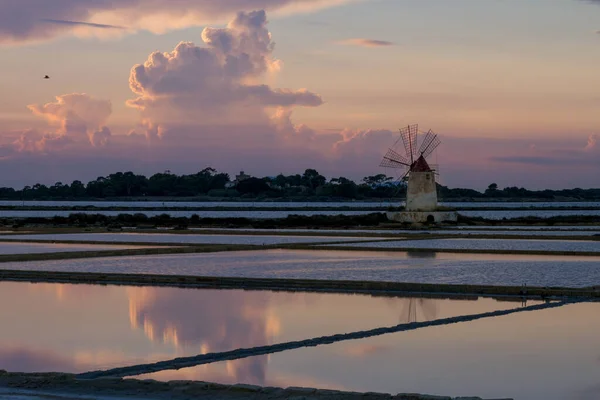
x: 421, y: 193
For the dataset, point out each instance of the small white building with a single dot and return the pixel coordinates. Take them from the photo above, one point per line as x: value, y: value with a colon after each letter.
x: 421, y: 192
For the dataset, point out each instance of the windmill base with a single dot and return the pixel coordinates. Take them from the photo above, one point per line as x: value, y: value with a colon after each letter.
x: 423, y: 216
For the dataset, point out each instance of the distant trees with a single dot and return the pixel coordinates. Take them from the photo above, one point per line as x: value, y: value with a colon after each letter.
x: 308, y: 185
x: 253, y: 186
x: 126, y: 184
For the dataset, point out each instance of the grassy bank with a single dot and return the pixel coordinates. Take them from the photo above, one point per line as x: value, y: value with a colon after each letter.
x: 372, y: 220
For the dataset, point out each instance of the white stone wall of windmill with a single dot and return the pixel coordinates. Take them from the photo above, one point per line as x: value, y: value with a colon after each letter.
x: 421, y: 191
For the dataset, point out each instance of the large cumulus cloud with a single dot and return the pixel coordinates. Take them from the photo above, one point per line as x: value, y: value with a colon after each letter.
x: 26, y: 20
x: 75, y: 120
x: 215, y: 85
x: 75, y: 116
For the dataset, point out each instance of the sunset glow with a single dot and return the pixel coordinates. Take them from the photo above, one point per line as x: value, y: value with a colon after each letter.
x: 278, y: 86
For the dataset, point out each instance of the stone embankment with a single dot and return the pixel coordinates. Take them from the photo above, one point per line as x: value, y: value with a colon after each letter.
x: 284, y: 284
x: 65, y: 386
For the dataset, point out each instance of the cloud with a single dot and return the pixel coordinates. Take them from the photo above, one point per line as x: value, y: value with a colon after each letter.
x: 365, y: 42
x: 200, y: 88
x: 547, y: 161
x: 592, y: 141
x: 28, y: 360
x: 365, y: 350
x: 27, y: 20
x: 76, y: 116
x: 79, y: 23
x: 242, y: 320
x: 32, y: 141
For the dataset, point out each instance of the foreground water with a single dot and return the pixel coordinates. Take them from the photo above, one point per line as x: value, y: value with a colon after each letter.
x: 542, y: 355
x: 183, y: 238
x: 31, y: 248
x: 288, y: 204
x: 496, y: 215
x: 508, y: 245
x: 496, y: 231
x: 422, y: 267
x: 76, y: 328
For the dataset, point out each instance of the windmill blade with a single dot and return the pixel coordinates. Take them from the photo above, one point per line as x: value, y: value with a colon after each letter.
x: 409, y: 311
x: 409, y: 138
x: 429, y: 137
x: 429, y: 308
x: 388, y: 163
x: 392, y: 157
x: 434, y: 143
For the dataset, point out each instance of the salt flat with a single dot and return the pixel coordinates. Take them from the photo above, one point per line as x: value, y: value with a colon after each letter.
x: 487, y: 244
x: 423, y: 267
x: 30, y: 248
x: 80, y: 327
x: 182, y: 238
x: 540, y: 355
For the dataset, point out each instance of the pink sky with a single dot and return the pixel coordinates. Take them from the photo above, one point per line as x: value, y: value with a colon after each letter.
x: 278, y: 86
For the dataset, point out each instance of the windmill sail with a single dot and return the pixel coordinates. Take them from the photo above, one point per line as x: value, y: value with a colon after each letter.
x: 429, y: 144
x: 409, y: 138
x: 394, y: 160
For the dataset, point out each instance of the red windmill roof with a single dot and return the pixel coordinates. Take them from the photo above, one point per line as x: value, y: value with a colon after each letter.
x: 420, y: 165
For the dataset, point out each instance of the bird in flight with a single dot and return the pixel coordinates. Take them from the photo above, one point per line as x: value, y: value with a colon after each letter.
x: 46, y: 77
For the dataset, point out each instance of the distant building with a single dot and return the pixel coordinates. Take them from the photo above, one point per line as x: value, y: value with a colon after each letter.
x: 241, y: 177
x: 238, y: 178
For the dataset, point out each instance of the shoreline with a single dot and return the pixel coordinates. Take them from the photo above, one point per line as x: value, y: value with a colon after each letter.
x: 376, y: 288
x: 374, y: 208
x: 65, y: 386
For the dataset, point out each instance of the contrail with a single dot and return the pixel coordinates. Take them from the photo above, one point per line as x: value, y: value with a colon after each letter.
x: 80, y: 23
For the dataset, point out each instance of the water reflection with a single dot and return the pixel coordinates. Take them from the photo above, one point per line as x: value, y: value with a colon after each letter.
x: 23, y: 359
x: 75, y: 328
x: 541, y: 355
x: 421, y: 254
x: 413, y: 305
x: 202, y: 321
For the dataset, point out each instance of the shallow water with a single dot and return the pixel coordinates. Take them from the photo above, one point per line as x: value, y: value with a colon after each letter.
x: 533, y: 228
x: 31, y: 248
x: 526, y: 213
x: 77, y: 328
x: 465, y: 231
x: 283, y: 214
x: 424, y: 267
x: 540, y: 355
x: 283, y: 204
x: 487, y: 244
x: 182, y: 238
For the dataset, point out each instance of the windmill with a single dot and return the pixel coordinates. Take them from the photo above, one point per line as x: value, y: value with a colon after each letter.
x: 420, y: 175
x: 413, y: 307
x: 428, y: 309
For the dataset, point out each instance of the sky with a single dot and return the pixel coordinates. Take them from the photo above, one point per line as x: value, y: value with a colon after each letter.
x: 278, y: 86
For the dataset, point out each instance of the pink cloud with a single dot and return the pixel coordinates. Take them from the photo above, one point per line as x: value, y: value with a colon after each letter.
x: 27, y: 20
x: 209, y: 106
x: 592, y: 141
x: 362, y: 42
x: 34, y: 142
x: 76, y: 116
x: 213, y: 85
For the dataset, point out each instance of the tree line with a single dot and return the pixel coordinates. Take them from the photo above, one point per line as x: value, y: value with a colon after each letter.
x: 308, y: 185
